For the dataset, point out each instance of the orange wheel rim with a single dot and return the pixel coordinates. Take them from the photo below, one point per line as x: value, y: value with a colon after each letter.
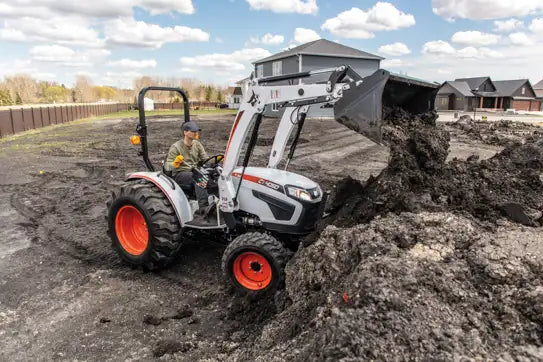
x: 131, y: 230
x: 252, y: 271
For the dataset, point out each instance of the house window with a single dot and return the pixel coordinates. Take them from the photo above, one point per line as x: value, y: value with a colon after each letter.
x: 236, y: 99
x: 260, y: 70
x: 275, y: 107
x: 277, y: 68
x: 523, y: 90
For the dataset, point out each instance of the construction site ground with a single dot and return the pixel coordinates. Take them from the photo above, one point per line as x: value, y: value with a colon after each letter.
x: 64, y: 294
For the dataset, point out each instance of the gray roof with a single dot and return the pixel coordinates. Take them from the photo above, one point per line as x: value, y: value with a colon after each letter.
x: 237, y: 91
x: 473, y: 83
x: 461, y: 87
x: 322, y: 47
x: 506, y: 88
x: 539, y: 85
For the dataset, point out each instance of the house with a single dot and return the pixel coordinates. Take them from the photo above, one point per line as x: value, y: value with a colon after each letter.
x: 318, y: 54
x: 468, y: 94
x: 234, y: 97
x: 538, y: 88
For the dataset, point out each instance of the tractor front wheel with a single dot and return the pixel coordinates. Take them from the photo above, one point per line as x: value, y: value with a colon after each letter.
x: 255, y: 264
x: 143, y: 225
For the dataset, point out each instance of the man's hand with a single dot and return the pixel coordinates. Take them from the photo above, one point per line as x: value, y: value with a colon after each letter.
x: 178, y: 161
x: 202, y: 182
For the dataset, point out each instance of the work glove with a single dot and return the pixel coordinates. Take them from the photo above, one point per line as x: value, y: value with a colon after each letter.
x: 178, y: 161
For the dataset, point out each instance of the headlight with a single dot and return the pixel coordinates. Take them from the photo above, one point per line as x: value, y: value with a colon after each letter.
x: 298, y: 193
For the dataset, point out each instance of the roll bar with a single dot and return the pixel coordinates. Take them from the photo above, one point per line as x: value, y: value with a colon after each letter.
x: 141, y: 129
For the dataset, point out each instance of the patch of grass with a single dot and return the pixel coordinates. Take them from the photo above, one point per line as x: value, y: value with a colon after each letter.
x: 167, y: 112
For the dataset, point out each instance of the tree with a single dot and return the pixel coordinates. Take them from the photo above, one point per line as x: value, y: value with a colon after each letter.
x: 220, y: 97
x: 5, y: 98
x: 18, y: 99
x: 54, y: 93
x: 28, y: 89
x: 208, y: 93
x: 84, y: 92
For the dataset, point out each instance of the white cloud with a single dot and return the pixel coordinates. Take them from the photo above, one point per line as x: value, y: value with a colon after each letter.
x: 127, y: 31
x: 520, y: 39
x: 360, y: 24
x: 485, y: 9
x: 133, y: 64
x: 302, y: 35
x: 267, y: 39
x: 166, y: 6
x: 391, y: 63
x: 537, y: 26
x: 474, y: 38
x: 67, y: 56
x: 52, y: 53
x: 395, y: 49
x: 507, y: 26
x: 286, y: 6
x: 438, y: 47
x: 96, y: 8
x: 236, y: 61
x: 120, y: 79
x: 65, y: 30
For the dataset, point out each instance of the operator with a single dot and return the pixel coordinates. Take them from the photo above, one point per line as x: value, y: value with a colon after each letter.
x: 183, y: 156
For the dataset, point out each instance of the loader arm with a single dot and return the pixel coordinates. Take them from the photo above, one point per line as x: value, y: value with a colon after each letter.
x: 358, y: 104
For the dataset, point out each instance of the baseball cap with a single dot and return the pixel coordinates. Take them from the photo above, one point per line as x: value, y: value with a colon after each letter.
x: 191, y: 126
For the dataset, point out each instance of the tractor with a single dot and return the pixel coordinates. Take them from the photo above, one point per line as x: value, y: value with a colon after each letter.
x: 262, y: 213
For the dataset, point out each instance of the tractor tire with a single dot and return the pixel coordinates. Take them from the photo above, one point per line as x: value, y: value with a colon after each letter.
x: 143, y: 225
x: 255, y: 264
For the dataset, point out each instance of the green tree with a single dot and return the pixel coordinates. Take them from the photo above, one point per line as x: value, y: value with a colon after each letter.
x: 54, y: 93
x: 220, y: 97
x: 18, y: 99
x: 5, y: 98
x: 208, y: 93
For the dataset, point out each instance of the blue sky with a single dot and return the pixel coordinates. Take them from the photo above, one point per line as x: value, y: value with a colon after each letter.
x: 114, y: 41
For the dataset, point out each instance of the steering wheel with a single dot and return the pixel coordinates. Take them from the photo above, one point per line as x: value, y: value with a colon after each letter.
x: 218, y: 158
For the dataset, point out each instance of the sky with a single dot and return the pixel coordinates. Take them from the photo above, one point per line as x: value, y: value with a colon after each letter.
x: 115, y: 41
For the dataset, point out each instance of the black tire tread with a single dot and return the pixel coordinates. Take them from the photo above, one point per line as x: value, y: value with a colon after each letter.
x: 165, y: 235
x: 260, y: 241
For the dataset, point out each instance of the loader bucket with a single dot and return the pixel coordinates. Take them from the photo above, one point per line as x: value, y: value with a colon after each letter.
x: 361, y: 107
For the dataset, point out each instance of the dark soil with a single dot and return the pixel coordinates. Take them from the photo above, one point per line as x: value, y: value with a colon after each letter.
x: 501, y: 133
x: 380, y: 284
x: 417, y: 178
x: 428, y: 286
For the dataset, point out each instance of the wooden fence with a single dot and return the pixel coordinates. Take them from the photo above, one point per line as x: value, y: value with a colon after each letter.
x: 16, y: 120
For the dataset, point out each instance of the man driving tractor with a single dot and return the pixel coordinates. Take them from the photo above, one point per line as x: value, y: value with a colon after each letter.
x: 183, y: 156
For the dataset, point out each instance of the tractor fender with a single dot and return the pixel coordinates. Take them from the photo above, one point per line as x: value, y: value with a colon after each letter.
x: 172, y: 190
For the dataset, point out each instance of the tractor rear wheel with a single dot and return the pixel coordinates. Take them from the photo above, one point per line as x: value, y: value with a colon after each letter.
x: 143, y: 225
x: 255, y: 263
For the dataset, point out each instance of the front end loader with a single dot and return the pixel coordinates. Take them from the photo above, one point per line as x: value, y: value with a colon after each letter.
x: 261, y: 213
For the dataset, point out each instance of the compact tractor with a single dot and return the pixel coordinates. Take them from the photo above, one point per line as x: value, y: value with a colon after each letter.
x: 261, y: 212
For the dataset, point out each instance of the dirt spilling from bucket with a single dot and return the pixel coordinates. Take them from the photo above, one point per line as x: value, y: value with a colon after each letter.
x: 418, y: 178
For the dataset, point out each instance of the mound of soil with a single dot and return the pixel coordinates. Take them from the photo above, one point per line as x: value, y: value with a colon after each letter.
x: 412, y: 286
x: 418, y: 178
x: 500, y: 133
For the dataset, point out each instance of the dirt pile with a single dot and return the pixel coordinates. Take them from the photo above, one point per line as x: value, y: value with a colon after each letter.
x: 417, y: 178
x: 412, y: 286
x: 500, y: 133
